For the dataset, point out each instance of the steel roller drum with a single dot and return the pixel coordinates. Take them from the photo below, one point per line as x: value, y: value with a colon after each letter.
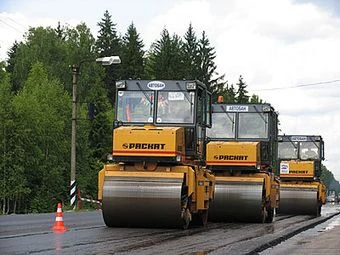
x: 298, y: 201
x: 237, y: 201
x: 142, y: 202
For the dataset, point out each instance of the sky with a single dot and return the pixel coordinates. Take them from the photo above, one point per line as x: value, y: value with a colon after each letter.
x: 286, y: 50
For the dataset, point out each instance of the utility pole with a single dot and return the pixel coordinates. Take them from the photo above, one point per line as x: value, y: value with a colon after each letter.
x: 73, y: 186
x: 4, y: 166
x: 105, y: 61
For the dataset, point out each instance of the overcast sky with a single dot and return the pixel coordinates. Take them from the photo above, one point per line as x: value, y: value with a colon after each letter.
x: 288, y: 51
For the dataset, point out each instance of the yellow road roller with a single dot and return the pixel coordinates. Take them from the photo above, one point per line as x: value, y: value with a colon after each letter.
x: 242, y: 153
x: 302, y: 191
x: 156, y: 175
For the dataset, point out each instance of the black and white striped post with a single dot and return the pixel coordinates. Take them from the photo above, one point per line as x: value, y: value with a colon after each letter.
x: 75, y: 72
x: 73, y: 194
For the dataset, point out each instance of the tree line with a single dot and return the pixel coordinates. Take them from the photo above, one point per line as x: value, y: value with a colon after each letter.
x: 36, y: 99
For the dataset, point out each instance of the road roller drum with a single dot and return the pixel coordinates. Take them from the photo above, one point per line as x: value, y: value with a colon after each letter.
x: 142, y: 202
x: 237, y: 201
x: 298, y: 201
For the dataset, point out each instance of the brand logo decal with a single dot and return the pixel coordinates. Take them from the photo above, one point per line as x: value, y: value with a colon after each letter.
x: 298, y: 172
x: 230, y: 157
x: 144, y: 146
x: 284, y: 168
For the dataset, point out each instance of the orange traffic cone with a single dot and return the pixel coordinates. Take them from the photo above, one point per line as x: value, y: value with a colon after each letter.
x: 59, y: 222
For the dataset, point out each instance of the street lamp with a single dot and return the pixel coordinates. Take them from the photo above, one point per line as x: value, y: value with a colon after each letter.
x: 106, y: 61
x: 75, y: 72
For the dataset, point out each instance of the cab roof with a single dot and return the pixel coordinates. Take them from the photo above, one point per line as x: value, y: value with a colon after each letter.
x: 242, y: 108
x: 180, y: 85
x: 300, y: 138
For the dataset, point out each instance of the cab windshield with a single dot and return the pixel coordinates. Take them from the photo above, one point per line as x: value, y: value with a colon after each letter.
x: 309, y: 150
x: 175, y: 107
x: 299, y: 150
x: 288, y: 150
x: 253, y: 125
x: 135, y: 106
x: 223, y: 125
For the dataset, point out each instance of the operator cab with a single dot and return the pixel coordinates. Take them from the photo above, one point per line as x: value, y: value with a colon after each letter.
x: 241, y: 122
x: 246, y: 123
x: 302, y: 148
x: 170, y: 103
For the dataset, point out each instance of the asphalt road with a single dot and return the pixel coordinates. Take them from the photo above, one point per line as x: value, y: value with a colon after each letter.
x: 321, y: 239
x: 87, y: 234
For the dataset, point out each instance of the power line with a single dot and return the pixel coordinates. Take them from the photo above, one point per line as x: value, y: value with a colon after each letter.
x: 19, y: 24
x: 9, y: 25
x: 300, y: 85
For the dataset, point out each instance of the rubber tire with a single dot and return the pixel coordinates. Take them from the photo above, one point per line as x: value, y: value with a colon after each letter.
x: 185, y: 220
x: 200, y: 218
x: 270, y: 215
x: 204, y: 218
x: 318, y: 210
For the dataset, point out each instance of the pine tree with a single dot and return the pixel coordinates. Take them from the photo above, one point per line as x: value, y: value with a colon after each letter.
x: 242, y: 94
x: 60, y: 31
x: 207, y: 66
x: 255, y: 99
x: 176, y: 68
x: 11, y: 57
x: 12, y: 52
x: 165, y: 59
x: 132, y: 55
x: 190, y: 54
x: 100, y: 141
x: 228, y: 93
x: 231, y: 92
x: 108, y: 44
